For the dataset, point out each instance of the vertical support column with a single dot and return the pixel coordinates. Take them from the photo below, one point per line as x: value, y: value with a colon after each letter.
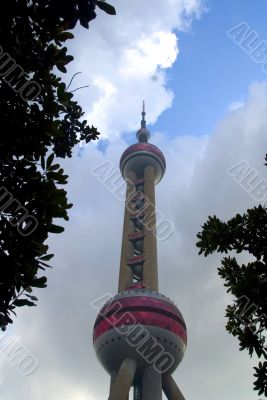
x: 151, y: 384
x: 126, y: 275
x: 137, y: 395
x: 150, y: 271
x: 113, y: 376
x: 171, y: 389
x: 123, y: 382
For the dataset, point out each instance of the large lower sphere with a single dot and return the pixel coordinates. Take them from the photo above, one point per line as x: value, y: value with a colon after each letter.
x: 142, y: 325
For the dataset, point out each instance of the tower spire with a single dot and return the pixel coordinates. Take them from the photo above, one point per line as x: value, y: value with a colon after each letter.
x: 143, y: 122
x: 143, y: 134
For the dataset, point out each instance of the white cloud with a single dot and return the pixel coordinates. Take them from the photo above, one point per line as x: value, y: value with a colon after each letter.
x: 124, y: 59
x: 158, y: 50
x: 235, y: 105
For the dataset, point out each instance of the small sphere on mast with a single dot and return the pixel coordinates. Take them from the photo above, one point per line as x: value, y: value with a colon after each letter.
x: 143, y: 134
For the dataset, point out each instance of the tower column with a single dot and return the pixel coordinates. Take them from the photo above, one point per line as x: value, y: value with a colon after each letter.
x: 150, y: 271
x: 113, y: 376
x: 151, y: 384
x: 171, y: 389
x: 123, y: 382
x: 126, y: 275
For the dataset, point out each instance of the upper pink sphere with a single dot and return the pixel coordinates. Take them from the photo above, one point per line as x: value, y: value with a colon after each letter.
x: 140, y: 155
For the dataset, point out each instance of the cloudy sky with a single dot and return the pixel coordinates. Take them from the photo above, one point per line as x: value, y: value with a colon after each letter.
x: 205, y: 87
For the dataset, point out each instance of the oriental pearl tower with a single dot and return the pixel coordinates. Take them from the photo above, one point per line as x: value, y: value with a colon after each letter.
x: 139, y: 334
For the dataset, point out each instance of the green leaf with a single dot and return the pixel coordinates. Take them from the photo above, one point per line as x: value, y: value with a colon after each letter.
x: 50, y: 160
x: 32, y: 297
x: 63, y: 36
x: 68, y: 59
x: 55, y: 228
x: 47, y: 257
x: 61, y: 68
x: 108, y: 8
x: 23, y: 302
x: 60, y: 93
x: 46, y: 265
x: 39, y: 282
x: 43, y: 161
x: 54, y: 167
